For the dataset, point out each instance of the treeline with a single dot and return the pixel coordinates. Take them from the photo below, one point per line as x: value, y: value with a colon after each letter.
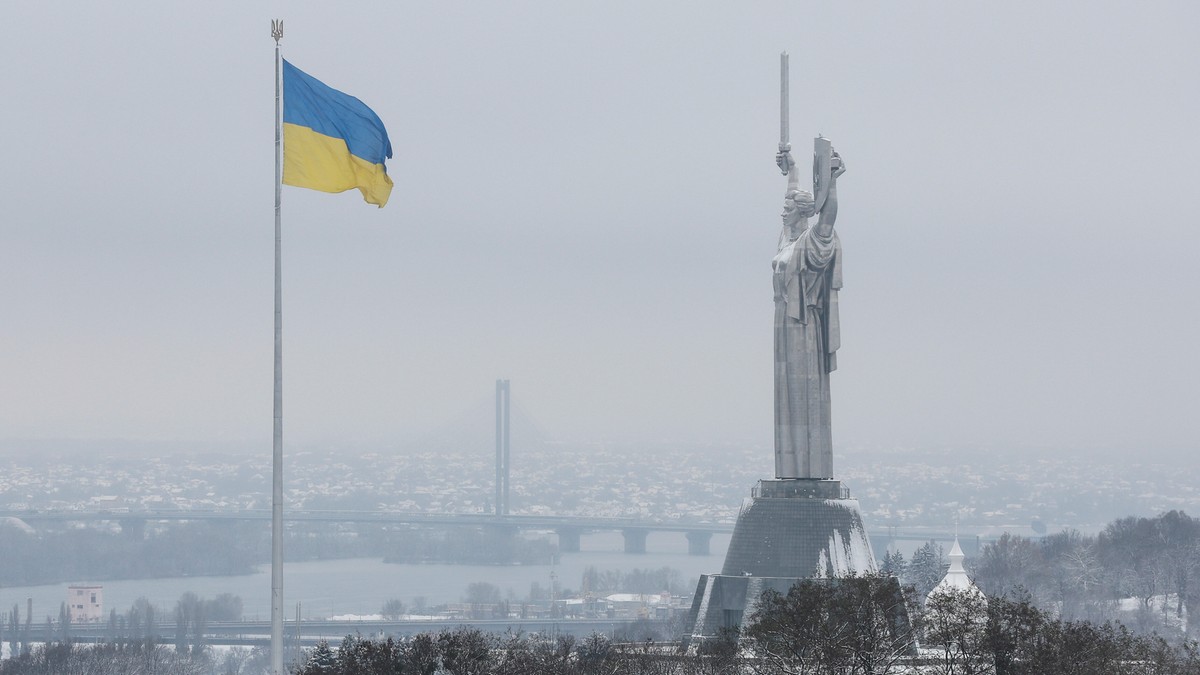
x: 1011, y: 636
x: 186, y: 549
x: 595, y: 582
x: 468, y: 651
x: 846, y: 627
x: 143, y: 622
x: 1144, y: 572
x: 816, y: 629
x: 141, y: 658
x: 645, y: 581
x: 63, y: 658
x: 851, y: 626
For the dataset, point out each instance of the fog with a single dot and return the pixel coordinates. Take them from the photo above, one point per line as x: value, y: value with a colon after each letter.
x: 586, y: 203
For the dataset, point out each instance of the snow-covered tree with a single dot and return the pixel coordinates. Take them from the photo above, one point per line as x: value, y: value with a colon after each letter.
x: 927, y: 567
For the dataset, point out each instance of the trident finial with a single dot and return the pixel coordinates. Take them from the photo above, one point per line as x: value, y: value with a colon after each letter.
x: 277, y: 29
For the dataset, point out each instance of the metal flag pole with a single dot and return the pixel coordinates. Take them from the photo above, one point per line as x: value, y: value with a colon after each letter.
x: 277, y: 446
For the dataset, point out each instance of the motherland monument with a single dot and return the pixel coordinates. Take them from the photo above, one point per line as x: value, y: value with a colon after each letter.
x: 801, y: 524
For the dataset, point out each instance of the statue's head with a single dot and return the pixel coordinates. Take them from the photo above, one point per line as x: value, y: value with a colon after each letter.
x: 797, y: 205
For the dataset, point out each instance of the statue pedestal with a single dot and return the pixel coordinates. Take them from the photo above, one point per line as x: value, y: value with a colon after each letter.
x: 789, y: 529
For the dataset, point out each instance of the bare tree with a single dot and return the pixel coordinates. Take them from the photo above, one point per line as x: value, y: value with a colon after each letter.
x: 955, y: 621
x: 856, y: 625
x: 392, y: 609
x: 1004, y: 565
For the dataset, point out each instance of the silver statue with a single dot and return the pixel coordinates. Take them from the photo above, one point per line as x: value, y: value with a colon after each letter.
x: 807, y: 277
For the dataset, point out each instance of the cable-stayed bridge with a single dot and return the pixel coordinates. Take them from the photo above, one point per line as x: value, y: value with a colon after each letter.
x: 569, y: 529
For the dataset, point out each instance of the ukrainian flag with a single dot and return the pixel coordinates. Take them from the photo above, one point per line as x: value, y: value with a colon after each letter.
x: 332, y: 141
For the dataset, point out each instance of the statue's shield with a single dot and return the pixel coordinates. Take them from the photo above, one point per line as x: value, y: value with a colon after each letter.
x: 822, y: 170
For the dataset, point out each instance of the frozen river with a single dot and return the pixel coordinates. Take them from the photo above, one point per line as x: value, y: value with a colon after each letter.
x: 361, y: 585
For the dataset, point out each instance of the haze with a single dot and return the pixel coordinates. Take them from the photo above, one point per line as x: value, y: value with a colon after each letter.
x: 586, y: 203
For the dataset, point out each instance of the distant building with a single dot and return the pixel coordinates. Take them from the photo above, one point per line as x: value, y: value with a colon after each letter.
x: 85, y: 603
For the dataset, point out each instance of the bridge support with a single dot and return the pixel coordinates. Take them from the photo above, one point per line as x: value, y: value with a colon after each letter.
x: 568, y: 539
x: 698, y: 543
x: 635, y: 541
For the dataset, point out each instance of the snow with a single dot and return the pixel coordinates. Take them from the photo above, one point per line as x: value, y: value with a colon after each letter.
x: 850, y: 554
x: 647, y: 598
x: 837, y: 551
x: 379, y: 617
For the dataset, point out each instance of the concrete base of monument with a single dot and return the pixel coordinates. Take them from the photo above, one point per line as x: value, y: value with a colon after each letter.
x: 788, y: 530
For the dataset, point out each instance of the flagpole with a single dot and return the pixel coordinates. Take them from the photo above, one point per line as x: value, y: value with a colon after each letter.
x: 277, y: 445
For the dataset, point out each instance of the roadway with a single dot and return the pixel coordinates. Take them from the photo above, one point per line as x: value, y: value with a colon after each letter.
x: 568, y: 528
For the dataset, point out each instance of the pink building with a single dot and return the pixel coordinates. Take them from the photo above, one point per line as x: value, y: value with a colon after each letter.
x: 85, y: 603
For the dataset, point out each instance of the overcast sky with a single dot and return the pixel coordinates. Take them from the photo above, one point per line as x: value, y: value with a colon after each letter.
x: 587, y: 203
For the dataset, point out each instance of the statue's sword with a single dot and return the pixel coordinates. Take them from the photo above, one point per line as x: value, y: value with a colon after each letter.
x: 784, y: 143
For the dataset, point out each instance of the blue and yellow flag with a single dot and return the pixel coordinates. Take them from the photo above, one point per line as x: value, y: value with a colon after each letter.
x: 332, y: 141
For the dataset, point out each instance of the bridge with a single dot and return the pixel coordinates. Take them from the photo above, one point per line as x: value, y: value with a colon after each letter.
x: 568, y: 528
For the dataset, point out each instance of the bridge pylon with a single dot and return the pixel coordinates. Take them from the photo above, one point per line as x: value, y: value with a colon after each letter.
x: 568, y: 539
x: 699, y: 542
x: 635, y: 540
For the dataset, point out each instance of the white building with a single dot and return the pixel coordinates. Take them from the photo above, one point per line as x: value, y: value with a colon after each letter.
x: 85, y: 603
x: 956, y: 577
x: 955, y: 604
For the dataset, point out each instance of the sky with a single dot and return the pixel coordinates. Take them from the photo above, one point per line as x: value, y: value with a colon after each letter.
x: 586, y: 203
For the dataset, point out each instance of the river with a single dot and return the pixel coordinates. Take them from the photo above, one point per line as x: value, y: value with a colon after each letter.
x: 361, y: 585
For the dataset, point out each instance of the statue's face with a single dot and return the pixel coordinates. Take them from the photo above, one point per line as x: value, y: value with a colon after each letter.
x: 797, y: 206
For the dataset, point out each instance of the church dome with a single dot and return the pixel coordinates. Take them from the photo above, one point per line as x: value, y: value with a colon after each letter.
x: 956, y: 578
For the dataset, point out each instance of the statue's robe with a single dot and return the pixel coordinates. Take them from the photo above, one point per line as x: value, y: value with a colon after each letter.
x: 807, y: 277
